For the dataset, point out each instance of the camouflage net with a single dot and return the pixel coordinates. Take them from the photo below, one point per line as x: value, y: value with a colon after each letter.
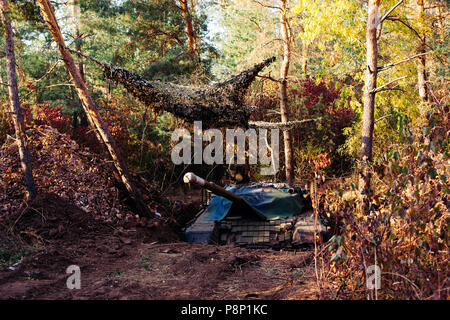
x: 217, y: 105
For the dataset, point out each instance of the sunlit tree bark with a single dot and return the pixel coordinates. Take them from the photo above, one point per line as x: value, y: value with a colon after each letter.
x: 78, y: 43
x: 284, y: 71
x: 189, y: 26
x: 15, y: 104
x: 421, y: 65
x: 369, y: 95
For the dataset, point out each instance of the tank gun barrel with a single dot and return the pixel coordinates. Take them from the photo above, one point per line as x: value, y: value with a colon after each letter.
x: 214, y: 188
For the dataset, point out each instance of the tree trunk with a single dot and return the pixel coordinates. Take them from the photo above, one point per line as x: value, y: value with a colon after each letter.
x: 304, y: 56
x: 369, y: 96
x: 421, y: 66
x: 15, y: 104
x: 283, y: 93
x: 91, y: 111
x: 76, y: 34
x: 440, y: 20
x: 189, y: 28
x: 76, y: 11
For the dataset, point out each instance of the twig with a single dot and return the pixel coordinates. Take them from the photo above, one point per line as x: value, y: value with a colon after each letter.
x: 406, y: 25
x: 414, y: 286
x: 389, y: 12
x: 267, y: 6
x: 401, y: 61
x: 50, y: 86
x: 387, y: 84
x: 383, y: 117
x: 49, y: 71
x: 268, y: 78
x: 391, y: 89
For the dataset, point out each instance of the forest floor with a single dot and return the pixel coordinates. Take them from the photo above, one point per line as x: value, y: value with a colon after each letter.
x: 132, y: 263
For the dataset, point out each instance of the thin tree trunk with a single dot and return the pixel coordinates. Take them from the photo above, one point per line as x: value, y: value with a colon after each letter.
x: 15, y: 104
x: 421, y: 66
x: 440, y: 20
x: 283, y: 93
x: 189, y: 28
x: 78, y: 42
x: 369, y: 96
x: 304, y: 56
x: 76, y: 33
x: 91, y: 111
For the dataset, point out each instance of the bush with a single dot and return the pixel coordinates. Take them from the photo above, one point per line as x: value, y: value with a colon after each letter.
x: 406, y: 231
x: 320, y: 99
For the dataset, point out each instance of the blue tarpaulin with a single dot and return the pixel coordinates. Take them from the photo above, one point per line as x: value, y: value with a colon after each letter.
x: 268, y: 203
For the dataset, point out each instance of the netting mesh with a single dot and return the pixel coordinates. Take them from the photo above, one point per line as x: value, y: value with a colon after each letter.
x: 217, y: 105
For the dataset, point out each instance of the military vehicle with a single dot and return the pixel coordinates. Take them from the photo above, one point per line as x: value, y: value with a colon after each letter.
x: 258, y: 215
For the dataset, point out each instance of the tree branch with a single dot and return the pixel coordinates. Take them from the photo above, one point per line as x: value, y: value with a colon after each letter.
x: 280, y: 125
x: 49, y: 71
x: 406, y: 25
x: 388, y: 66
x: 267, y: 6
x: 269, y: 78
x: 389, y: 12
x: 422, y: 40
x: 50, y: 86
x: 386, y: 84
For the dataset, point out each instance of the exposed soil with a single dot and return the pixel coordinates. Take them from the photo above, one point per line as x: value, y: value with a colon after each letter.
x: 123, y: 262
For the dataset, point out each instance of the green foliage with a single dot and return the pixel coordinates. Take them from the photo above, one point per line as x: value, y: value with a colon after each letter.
x: 334, y: 33
x: 247, y: 35
x: 12, y: 252
x: 147, y: 37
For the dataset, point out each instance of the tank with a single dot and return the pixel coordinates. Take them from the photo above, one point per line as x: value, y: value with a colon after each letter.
x: 257, y: 215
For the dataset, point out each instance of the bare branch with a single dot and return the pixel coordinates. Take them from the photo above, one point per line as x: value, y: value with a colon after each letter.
x: 267, y: 6
x: 387, y: 84
x: 422, y: 40
x: 382, y: 118
x: 50, y: 86
x: 255, y: 23
x: 389, y: 12
x: 49, y: 71
x: 390, y: 89
x: 388, y: 66
x: 406, y: 25
x: 268, y: 78
x: 280, y: 125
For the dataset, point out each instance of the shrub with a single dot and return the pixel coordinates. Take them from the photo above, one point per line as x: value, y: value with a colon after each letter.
x: 406, y: 231
x: 320, y: 99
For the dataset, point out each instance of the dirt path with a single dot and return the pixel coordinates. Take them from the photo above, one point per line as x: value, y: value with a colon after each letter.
x: 112, y: 269
x: 128, y: 261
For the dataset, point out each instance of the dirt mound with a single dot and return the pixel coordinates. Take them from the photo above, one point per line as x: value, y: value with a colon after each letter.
x: 77, y: 191
x: 50, y: 217
x: 61, y: 167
